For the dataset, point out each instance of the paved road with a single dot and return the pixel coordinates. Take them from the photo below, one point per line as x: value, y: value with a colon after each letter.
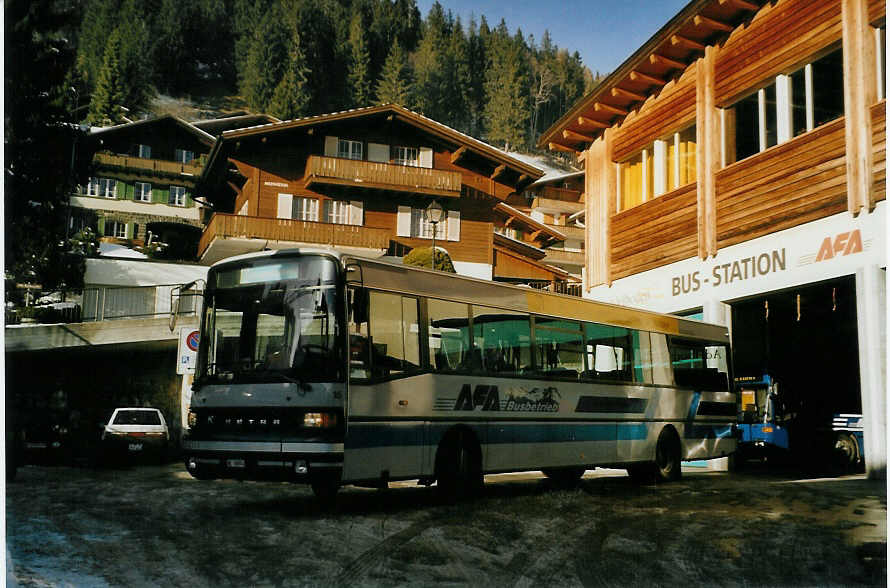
x: 154, y: 525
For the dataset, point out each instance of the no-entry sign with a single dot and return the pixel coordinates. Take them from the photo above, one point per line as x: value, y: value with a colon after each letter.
x: 187, y: 351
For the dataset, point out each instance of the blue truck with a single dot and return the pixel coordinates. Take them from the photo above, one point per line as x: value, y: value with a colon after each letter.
x: 769, y: 427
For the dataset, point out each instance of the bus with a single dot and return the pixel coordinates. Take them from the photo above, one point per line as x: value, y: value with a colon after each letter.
x: 319, y: 367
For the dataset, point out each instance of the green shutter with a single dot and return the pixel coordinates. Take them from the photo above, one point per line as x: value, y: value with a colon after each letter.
x: 101, y: 226
x: 159, y: 196
x: 129, y: 230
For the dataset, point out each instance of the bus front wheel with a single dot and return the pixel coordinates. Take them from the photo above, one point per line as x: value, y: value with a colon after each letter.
x: 459, y: 467
x: 325, y: 488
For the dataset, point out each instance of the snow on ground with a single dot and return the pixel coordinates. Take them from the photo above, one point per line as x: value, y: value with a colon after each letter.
x: 155, y: 525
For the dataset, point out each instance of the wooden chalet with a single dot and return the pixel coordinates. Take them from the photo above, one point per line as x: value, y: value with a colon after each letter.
x: 360, y: 181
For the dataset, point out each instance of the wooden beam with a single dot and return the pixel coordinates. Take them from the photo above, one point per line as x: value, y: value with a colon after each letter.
x: 637, y: 76
x: 457, y: 155
x: 592, y: 123
x: 498, y: 171
x: 622, y: 93
x: 523, y: 178
x: 534, y: 236
x: 573, y: 136
x: 656, y: 59
x: 709, y: 23
x: 600, y: 107
x: 743, y: 4
x: 678, y: 41
x: 509, y: 221
x: 560, y: 147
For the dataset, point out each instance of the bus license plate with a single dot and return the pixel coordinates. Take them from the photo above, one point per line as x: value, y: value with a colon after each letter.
x: 235, y: 463
x: 135, y: 447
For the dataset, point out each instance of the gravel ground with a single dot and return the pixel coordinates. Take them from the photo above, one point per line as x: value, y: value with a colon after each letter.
x: 155, y: 525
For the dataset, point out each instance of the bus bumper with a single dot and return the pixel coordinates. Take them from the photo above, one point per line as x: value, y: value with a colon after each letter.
x: 297, y: 461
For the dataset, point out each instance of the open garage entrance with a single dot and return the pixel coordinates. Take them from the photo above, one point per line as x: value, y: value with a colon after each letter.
x: 806, y: 340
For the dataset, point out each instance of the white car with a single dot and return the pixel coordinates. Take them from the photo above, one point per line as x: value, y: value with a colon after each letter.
x: 136, y: 431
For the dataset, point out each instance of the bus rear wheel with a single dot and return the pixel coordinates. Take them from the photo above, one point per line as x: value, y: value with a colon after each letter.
x: 666, y: 467
x: 459, y: 467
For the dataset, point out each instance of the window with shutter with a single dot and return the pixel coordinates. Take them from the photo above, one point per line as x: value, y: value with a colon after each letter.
x: 285, y: 206
x: 403, y: 221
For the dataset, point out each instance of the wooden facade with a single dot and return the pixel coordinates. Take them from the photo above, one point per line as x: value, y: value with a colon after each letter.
x: 740, y: 48
x: 281, y: 163
x: 142, y: 180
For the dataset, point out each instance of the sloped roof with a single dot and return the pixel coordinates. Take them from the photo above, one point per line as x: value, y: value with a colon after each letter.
x: 201, y: 135
x: 215, y: 126
x: 418, y: 120
x: 529, y: 221
x: 662, y: 58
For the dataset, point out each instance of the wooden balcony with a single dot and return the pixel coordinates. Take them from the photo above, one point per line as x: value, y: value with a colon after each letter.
x: 143, y: 166
x: 552, y: 200
x: 563, y: 257
x: 284, y: 233
x: 381, y: 176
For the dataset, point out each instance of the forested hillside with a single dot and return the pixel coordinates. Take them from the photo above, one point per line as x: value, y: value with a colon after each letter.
x: 293, y: 58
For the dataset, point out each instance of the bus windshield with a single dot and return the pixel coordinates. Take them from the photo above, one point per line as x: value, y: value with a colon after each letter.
x: 272, y: 320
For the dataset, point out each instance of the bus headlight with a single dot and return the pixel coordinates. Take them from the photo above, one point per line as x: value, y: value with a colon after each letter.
x: 321, y: 420
x: 193, y: 419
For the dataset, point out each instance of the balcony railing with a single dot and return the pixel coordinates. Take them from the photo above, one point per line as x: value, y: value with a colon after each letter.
x: 224, y: 226
x: 369, y: 174
x: 156, y: 166
x: 112, y: 303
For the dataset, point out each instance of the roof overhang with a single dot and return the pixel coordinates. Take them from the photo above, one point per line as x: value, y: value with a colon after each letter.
x: 529, y: 222
x: 662, y: 59
x: 202, y: 136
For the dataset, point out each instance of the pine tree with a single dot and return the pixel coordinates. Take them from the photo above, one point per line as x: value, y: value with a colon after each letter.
x: 506, y: 87
x: 266, y: 60
x: 394, y: 86
x: 39, y: 142
x: 358, y: 80
x: 108, y: 98
x: 291, y: 96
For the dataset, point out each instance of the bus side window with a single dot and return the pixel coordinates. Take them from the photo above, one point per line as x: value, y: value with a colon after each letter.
x: 609, y: 352
x: 502, y: 339
x: 642, y: 358
x: 394, y: 334
x: 560, y: 347
x: 662, y: 370
x: 449, y: 337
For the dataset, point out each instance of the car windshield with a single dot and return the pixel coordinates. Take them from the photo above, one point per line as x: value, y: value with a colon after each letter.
x: 137, y: 417
x: 274, y: 320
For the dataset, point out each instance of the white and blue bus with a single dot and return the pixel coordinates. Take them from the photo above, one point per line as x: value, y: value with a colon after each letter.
x: 319, y: 367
